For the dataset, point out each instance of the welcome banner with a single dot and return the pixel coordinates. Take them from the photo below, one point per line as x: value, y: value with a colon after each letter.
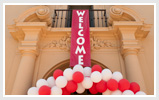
x: 80, y: 39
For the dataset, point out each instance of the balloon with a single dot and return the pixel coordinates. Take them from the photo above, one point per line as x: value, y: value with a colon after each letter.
x: 101, y: 86
x: 56, y: 90
x: 57, y: 73
x: 123, y: 85
x: 65, y: 92
x: 96, y: 68
x: 78, y: 77
x: 128, y: 92
x: 134, y: 87
x: 41, y: 82
x: 140, y: 93
x: 61, y: 81
x: 117, y: 76
x: 33, y: 91
x: 112, y: 85
x: 107, y: 92
x: 87, y: 83
x: 71, y: 86
x: 80, y: 88
x: 68, y: 72
x: 106, y: 74
x: 51, y: 81
x: 93, y: 89
x: 116, y: 92
x: 78, y: 68
x: 87, y: 71
x: 44, y: 90
x: 96, y: 76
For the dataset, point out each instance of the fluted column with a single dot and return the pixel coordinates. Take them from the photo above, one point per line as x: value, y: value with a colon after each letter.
x: 29, y: 51
x: 129, y: 50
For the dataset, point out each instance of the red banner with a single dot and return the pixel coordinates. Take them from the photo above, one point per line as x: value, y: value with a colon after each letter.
x: 80, y: 38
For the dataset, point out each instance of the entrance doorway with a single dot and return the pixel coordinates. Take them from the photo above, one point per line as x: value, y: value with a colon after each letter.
x: 65, y: 64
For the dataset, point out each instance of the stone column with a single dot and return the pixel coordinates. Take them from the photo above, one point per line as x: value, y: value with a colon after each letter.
x: 29, y: 51
x: 24, y: 74
x: 129, y: 49
x: 133, y: 70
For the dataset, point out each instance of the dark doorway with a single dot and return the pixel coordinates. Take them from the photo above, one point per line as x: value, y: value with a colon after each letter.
x: 82, y: 7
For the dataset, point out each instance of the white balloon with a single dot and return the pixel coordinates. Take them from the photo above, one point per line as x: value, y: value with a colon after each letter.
x: 96, y: 76
x: 68, y: 72
x: 87, y: 83
x: 61, y: 81
x: 41, y: 82
x: 87, y: 71
x: 128, y: 92
x: 51, y: 81
x: 116, y: 92
x: 33, y: 91
x: 140, y: 93
x: 78, y: 68
x: 106, y: 74
x: 80, y: 88
x: 56, y: 90
x: 107, y: 92
x: 117, y: 76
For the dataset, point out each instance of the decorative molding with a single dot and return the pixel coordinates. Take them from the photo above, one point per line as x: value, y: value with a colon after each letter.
x: 16, y: 34
x: 36, y: 14
x: 65, y: 42
x: 44, y: 15
x: 18, y: 30
x: 97, y: 44
x: 123, y: 13
x: 129, y: 51
x: 141, y: 29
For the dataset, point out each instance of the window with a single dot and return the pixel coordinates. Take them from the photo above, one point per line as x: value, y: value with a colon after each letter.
x: 69, y: 14
x: 63, y: 17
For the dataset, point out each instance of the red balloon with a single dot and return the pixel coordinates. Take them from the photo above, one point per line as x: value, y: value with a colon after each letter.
x: 123, y: 85
x: 101, y: 86
x: 65, y: 92
x: 134, y: 87
x: 93, y: 89
x: 57, y: 73
x: 112, y: 85
x: 71, y: 86
x: 96, y: 68
x: 44, y: 90
x: 78, y: 77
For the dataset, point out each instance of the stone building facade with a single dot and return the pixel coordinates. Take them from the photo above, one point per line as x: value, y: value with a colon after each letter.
x: 37, y: 42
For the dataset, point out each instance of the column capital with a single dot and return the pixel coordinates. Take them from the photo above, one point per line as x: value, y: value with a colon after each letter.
x: 137, y: 29
x: 127, y: 36
x: 129, y: 43
x: 32, y: 33
x: 29, y: 51
x: 129, y: 47
x: 129, y: 51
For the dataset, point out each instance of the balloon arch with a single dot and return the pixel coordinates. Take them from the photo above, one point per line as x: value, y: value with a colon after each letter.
x: 79, y: 79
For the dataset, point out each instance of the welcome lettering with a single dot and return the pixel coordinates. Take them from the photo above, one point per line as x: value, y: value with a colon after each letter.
x: 80, y: 42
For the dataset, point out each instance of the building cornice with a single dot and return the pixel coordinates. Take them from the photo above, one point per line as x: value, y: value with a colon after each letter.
x: 125, y: 25
x: 141, y: 30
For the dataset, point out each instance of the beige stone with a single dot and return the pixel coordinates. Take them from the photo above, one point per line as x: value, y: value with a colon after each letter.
x: 34, y: 49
